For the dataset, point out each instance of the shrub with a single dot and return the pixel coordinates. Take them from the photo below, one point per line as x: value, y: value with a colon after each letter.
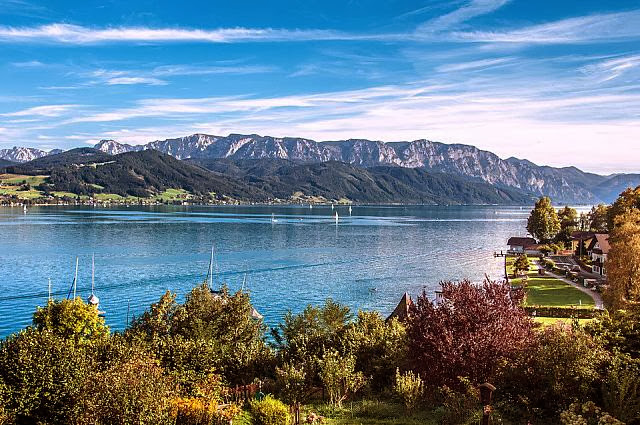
x: 291, y: 383
x: 268, y: 411
x: 587, y: 414
x: 134, y: 391
x: 409, y: 388
x: 339, y: 376
x: 200, y: 411
x: 621, y: 389
x: 460, y: 407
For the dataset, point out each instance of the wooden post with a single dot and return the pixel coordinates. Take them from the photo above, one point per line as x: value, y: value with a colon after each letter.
x: 486, y: 391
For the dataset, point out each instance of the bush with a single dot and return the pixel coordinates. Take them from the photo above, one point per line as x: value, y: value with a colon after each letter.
x: 200, y: 411
x: 268, y: 411
x: 409, y: 388
x: 587, y: 414
x: 460, y: 407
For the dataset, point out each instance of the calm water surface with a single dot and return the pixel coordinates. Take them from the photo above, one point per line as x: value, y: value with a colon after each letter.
x: 367, y: 261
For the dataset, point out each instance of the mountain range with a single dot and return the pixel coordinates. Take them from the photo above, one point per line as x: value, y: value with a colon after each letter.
x: 146, y: 173
x: 563, y: 185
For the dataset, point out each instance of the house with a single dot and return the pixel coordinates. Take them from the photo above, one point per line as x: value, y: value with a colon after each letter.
x: 598, y: 250
x: 521, y: 245
x: 580, y: 237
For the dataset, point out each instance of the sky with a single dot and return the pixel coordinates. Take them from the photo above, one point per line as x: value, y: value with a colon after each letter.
x: 555, y: 82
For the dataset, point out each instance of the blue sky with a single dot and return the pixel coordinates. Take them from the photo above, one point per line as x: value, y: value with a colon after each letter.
x: 556, y: 82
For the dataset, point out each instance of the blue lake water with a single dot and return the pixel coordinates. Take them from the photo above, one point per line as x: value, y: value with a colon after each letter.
x: 367, y: 261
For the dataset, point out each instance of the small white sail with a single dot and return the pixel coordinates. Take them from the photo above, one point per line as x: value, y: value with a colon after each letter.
x: 337, y: 218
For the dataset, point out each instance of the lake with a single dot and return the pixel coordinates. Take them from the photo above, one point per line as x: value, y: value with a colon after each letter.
x: 290, y: 255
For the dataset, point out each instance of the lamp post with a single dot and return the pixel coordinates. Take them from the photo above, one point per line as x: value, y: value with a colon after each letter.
x: 486, y: 391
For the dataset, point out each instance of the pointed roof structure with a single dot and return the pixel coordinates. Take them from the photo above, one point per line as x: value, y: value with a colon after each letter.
x: 401, y: 311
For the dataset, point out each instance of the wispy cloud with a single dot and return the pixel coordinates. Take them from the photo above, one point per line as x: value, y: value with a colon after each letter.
x: 611, y: 69
x: 474, y: 65
x: 599, y: 27
x: 75, y: 34
x: 42, y: 111
x: 469, y: 10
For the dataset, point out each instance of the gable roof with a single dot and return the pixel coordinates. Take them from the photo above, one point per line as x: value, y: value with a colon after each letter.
x: 401, y: 311
x: 581, y: 235
x: 602, y: 239
x: 524, y: 242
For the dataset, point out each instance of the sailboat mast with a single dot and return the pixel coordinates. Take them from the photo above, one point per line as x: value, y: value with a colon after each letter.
x: 211, y: 267
x: 75, y: 280
x: 49, y: 299
x: 93, y: 270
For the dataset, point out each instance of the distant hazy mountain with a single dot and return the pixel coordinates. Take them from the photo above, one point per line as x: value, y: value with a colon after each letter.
x: 19, y: 154
x: 566, y: 185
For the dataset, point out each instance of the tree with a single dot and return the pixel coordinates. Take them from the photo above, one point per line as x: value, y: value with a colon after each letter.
x: 339, y: 376
x: 134, y: 391
x: 560, y: 366
x: 623, y: 260
x: 568, y: 223
x: 598, y: 219
x: 44, y: 375
x: 627, y: 201
x: 379, y: 346
x: 521, y: 264
x: 468, y: 333
x: 209, y: 333
x: 71, y: 319
x: 543, y: 223
x: 302, y: 339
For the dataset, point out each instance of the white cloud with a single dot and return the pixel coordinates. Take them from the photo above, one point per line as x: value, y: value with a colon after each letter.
x: 135, y: 80
x: 593, y: 28
x: 75, y: 34
x: 469, y: 10
x: 42, y: 111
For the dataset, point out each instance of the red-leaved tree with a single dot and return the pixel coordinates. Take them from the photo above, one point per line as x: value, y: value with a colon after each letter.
x: 468, y: 333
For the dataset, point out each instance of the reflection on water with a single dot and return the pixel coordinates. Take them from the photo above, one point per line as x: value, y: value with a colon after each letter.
x: 367, y: 260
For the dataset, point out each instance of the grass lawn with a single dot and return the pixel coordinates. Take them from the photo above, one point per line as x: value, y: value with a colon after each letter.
x: 17, y: 179
x: 362, y: 412
x: 170, y: 195
x: 21, y: 194
x: 549, y: 321
x: 549, y: 291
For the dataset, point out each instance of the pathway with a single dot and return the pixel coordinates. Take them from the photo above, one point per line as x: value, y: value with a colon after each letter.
x: 597, y: 298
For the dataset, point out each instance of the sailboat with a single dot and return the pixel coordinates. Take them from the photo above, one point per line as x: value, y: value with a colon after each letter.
x: 310, y: 206
x: 350, y: 209
x: 273, y: 218
x: 337, y: 218
x: 93, y: 298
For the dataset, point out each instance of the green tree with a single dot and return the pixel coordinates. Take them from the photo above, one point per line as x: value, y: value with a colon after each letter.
x: 339, y: 376
x: 560, y: 367
x: 209, y: 333
x: 543, y: 223
x: 379, y: 346
x: 135, y: 391
x: 598, y: 219
x: 71, y: 319
x: 44, y: 376
x: 302, y: 339
x: 292, y: 383
x: 521, y: 265
x: 568, y: 223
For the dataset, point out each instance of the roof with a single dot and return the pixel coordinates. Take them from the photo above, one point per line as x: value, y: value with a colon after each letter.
x: 401, y: 311
x: 524, y: 242
x: 581, y: 235
x: 602, y: 239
